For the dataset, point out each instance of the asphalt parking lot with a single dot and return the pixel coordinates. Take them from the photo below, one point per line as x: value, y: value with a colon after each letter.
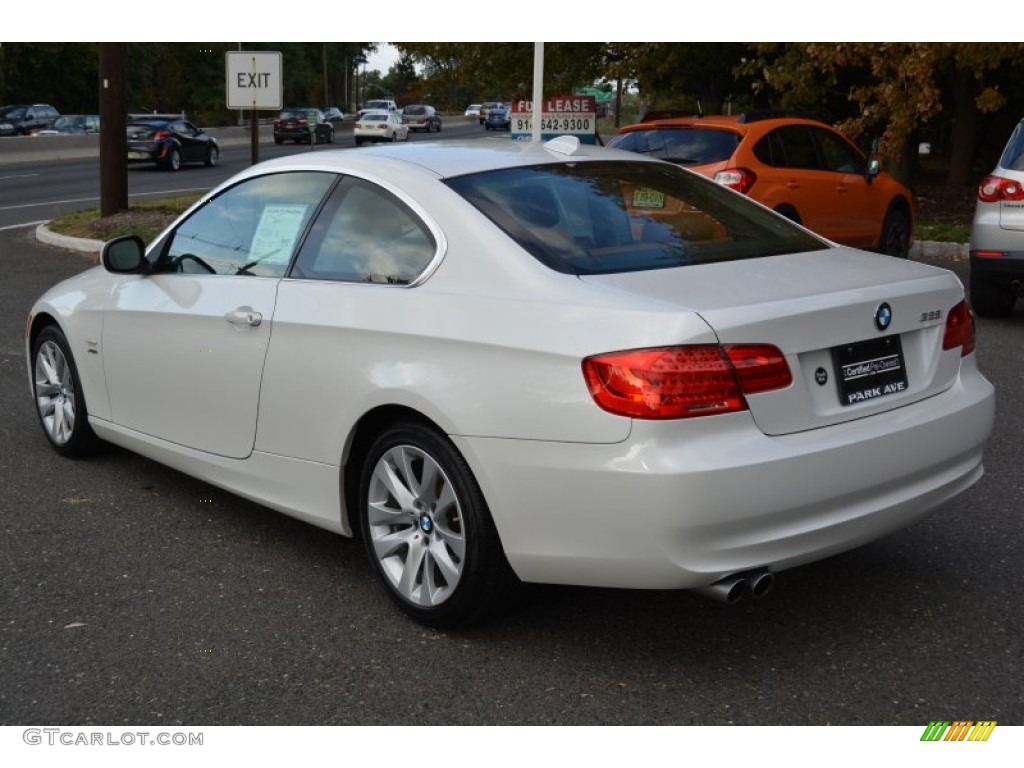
x: 133, y: 594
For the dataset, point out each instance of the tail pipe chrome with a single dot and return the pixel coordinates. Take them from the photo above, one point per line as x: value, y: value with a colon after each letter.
x: 732, y: 589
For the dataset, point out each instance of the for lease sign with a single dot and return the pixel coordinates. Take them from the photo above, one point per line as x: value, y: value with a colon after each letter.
x: 560, y: 116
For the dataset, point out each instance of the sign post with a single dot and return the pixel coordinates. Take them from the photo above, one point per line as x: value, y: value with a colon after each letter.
x: 254, y: 82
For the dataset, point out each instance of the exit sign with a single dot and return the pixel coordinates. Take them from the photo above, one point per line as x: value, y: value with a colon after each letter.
x: 254, y: 80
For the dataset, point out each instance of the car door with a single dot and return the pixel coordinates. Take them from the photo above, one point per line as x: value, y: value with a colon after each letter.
x: 192, y: 148
x: 860, y: 207
x: 184, y: 347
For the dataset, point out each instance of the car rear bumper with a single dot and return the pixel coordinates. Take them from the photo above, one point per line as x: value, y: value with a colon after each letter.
x: 683, y: 504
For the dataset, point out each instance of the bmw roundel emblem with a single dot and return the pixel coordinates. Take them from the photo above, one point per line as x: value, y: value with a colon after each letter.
x: 883, y: 316
x: 426, y: 524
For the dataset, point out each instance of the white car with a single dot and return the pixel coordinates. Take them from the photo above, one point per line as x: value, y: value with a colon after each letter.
x: 521, y: 362
x: 380, y: 126
x: 473, y: 112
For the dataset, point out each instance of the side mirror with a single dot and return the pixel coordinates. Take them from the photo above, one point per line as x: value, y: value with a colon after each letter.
x: 874, y: 168
x: 125, y: 255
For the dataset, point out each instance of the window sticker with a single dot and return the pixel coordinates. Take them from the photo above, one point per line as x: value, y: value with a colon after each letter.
x: 648, y: 198
x: 276, y: 233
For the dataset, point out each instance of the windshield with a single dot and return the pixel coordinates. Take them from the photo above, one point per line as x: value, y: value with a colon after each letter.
x: 686, y: 146
x: 602, y: 217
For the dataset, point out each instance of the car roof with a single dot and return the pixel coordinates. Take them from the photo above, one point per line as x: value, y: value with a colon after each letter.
x: 735, y: 123
x: 444, y: 159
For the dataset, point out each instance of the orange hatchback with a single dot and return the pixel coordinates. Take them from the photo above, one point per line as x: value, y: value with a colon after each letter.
x: 803, y: 169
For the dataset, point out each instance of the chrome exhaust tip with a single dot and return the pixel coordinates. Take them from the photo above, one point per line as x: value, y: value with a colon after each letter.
x: 734, y: 588
x: 729, y: 590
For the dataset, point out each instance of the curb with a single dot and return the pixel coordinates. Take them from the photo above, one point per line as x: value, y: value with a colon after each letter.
x: 45, y: 235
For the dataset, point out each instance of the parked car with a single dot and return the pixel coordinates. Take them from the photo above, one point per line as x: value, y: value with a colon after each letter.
x: 169, y: 143
x: 997, y: 235
x: 499, y: 118
x: 803, y: 169
x: 516, y: 361
x: 72, y: 124
x: 380, y: 126
x: 25, y: 119
x: 334, y: 115
x: 379, y: 105
x: 303, y: 126
x: 421, y: 117
x: 473, y: 112
x: 485, y: 108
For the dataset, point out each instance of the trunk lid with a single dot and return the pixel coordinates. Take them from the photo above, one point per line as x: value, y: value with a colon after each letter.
x: 820, y: 309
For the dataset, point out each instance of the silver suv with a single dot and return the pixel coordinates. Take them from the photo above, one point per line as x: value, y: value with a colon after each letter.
x: 997, y: 235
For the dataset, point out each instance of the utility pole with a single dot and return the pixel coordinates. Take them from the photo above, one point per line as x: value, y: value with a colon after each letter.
x: 113, y: 137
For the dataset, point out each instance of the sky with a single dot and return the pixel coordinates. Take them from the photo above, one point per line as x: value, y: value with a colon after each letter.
x: 745, y: 20
x: 382, y: 60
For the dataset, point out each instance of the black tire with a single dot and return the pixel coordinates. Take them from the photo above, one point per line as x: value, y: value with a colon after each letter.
x: 278, y: 141
x: 441, y: 524
x: 173, y: 161
x: 394, y: 137
x: 330, y: 137
x: 989, y: 297
x: 212, y: 157
x: 59, y: 400
x: 789, y: 212
x: 895, y: 239
x: 359, y: 142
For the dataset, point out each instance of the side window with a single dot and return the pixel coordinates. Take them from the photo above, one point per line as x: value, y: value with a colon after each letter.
x: 796, y: 143
x: 837, y: 154
x: 366, y: 235
x: 251, y: 229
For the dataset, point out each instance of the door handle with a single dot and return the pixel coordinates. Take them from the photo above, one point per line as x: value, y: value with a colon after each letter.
x: 792, y: 185
x: 244, y: 316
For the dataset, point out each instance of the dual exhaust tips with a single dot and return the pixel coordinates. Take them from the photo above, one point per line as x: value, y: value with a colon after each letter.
x: 732, y: 589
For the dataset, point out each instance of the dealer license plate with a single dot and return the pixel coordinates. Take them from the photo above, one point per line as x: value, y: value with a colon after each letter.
x: 869, y: 369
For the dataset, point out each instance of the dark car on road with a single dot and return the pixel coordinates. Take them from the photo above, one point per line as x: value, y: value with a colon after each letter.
x: 73, y: 124
x: 421, y: 117
x: 499, y: 118
x: 25, y: 119
x: 302, y: 125
x: 169, y: 143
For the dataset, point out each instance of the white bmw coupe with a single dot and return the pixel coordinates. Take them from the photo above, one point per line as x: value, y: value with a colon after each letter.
x: 508, y: 362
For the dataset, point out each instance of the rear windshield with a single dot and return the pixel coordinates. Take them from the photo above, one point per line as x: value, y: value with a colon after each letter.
x: 415, y: 110
x: 377, y: 105
x: 299, y: 114
x: 604, y: 217
x: 685, y: 146
x: 1013, y: 155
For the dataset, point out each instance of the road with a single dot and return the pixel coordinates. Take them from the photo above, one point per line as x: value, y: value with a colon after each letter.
x: 133, y: 594
x: 38, y: 191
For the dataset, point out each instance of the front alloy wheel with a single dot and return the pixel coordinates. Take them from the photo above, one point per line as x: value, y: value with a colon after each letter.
x: 428, y: 532
x: 60, y: 404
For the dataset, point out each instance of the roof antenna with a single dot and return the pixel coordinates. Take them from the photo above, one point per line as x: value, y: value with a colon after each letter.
x: 699, y: 110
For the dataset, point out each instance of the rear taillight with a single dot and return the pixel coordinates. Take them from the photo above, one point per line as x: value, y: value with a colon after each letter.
x: 303, y: 121
x: 740, y: 179
x: 277, y: 121
x: 161, y: 135
x: 960, y: 329
x: 683, y: 382
x: 995, y: 188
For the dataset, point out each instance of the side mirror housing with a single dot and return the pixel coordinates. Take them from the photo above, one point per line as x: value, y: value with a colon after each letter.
x: 125, y: 255
x: 874, y: 168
